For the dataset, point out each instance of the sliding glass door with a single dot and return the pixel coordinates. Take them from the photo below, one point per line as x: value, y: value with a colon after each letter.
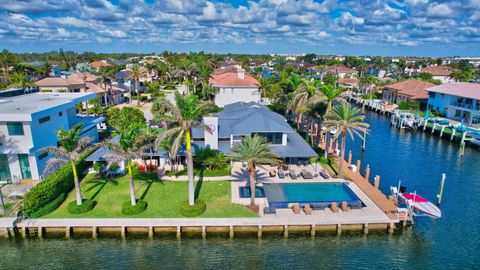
x: 24, y: 166
x: 4, y: 169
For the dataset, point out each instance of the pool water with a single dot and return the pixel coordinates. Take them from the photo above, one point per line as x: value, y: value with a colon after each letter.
x: 318, y: 192
x: 245, y: 192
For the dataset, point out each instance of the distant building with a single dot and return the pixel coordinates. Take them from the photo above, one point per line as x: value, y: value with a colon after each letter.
x: 441, y: 73
x: 29, y: 123
x: 406, y: 90
x: 349, y: 83
x: 458, y: 100
x: 98, y: 64
x: 56, y: 71
x: 241, y: 119
x: 341, y: 71
x: 234, y: 85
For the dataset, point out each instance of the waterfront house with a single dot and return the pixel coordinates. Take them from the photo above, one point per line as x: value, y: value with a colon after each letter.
x: 406, y: 91
x: 441, y: 73
x: 341, y: 71
x: 96, y: 65
x: 29, y: 123
x: 234, y: 85
x: 458, y: 100
x: 349, y: 83
x: 242, y: 119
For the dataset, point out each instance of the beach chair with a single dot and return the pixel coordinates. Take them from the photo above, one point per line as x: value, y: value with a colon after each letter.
x: 345, y: 207
x: 307, y: 209
x: 324, y: 174
x: 292, y: 174
x: 334, y: 207
x: 296, y: 209
x: 281, y: 174
x: 306, y: 175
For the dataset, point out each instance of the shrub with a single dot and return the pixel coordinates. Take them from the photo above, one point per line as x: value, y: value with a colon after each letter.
x: 409, y: 105
x: 86, y: 206
x: 49, y: 207
x: 206, y: 173
x: 129, y: 209
x: 49, y: 190
x: 141, y: 98
x: 192, y: 211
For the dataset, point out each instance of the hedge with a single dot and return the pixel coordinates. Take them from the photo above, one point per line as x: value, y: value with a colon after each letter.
x: 49, y: 207
x: 129, y: 209
x: 142, y: 98
x: 192, y: 211
x: 205, y: 173
x: 58, y: 183
x: 86, y: 206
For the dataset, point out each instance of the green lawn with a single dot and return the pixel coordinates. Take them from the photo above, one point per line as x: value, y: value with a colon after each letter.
x: 163, y: 198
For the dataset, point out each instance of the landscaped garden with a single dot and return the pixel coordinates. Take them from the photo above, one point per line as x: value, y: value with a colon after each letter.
x: 163, y: 198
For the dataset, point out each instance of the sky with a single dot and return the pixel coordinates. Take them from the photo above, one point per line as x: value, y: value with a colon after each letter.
x: 362, y: 27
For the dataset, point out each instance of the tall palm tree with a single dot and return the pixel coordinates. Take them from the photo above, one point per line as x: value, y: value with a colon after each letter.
x: 70, y: 150
x: 330, y: 93
x: 254, y: 151
x: 186, y: 115
x: 306, y: 94
x: 130, y: 146
x: 187, y: 72
x: 135, y: 73
x: 349, y: 121
x: 106, y: 75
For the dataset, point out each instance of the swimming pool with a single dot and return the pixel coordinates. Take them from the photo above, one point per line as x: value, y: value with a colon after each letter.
x: 245, y: 192
x: 317, y: 194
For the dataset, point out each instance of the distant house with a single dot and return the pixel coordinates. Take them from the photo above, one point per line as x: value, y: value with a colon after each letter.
x: 341, y: 71
x: 98, y: 64
x: 441, y: 73
x: 458, y: 100
x: 349, y: 83
x: 234, y: 85
x: 406, y: 90
x: 56, y: 71
x: 241, y: 119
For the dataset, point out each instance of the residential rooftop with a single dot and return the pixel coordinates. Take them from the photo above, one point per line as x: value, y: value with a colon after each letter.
x: 459, y: 89
x: 29, y: 104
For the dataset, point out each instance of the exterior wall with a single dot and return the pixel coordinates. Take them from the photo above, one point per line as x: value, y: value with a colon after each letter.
x: 443, y: 79
x: 229, y: 95
x: 63, y: 88
x: 439, y: 102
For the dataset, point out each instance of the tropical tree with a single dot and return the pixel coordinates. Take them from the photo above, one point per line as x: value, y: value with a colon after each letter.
x: 186, y: 114
x: 349, y: 121
x: 306, y: 94
x: 106, y: 75
x: 130, y: 146
x: 20, y: 80
x: 7, y: 59
x: 330, y: 93
x: 70, y: 149
x: 253, y: 151
x: 135, y: 73
x: 125, y: 118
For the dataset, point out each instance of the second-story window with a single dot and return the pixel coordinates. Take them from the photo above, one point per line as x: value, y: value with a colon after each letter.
x: 15, y: 128
x: 44, y: 119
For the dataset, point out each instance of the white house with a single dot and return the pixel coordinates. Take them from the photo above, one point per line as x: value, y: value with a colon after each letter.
x: 459, y: 101
x: 29, y: 123
x: 441, y: 73
x: 234, y: 85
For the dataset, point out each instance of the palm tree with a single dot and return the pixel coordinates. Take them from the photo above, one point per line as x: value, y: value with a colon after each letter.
x: 131, y: 146
x: 186, y: 72
x: 187, y: 114
x: 135, y: 73
x: 7, y: 59
x: 348, y: 120
x: 253, y: 151
x: 20, y: 80
x: 306, y: 94
x: 106, y: 75
x: 70, y: 150
x: 330, y: 93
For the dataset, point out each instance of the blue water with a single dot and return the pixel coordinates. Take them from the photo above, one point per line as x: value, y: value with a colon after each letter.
x: 245, y: 192
x: 417, y: 159
x: 318, y: 192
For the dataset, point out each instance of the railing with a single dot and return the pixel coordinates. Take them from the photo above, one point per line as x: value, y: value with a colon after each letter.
x: 466, y: 106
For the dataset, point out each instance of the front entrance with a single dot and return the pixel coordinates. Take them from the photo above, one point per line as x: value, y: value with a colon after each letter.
x: 24, y: 166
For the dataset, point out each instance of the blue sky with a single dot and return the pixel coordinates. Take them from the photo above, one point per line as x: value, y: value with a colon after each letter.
x: 362, y: 27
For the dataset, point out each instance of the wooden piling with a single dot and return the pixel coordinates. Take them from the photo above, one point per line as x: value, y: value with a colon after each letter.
x: 377, y: 181
x: 440, y: 192
x: 68, y: 231
x: 179, y: 232
x: 94, y: 232
x: 358, y: 164
x: 150, y: 232
x: 259, y: 232
x: 349, y: 157
x: 364, y: 141
x: 339, y: 229
x: 365, y: 228
x: 123, y: 231
x: 285, y: 230
x: 367, y: 172
x: 391, y: 228
x: 441, y: 131
x: 313, y: 230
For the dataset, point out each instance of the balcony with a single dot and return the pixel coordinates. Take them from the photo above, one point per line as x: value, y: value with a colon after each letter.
x: 467, y: 106
x: 87, y: 122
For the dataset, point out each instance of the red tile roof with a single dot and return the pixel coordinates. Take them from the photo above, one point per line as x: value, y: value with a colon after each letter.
x: 340, y: 69
x: 350, y: 81
x: 229, y: 77
x: 438, y: 70
x: 415, y: 89
x: 97, y: 64
x: 74, y: 79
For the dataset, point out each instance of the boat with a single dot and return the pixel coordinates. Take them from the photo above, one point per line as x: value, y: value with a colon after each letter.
x: 418, y: 205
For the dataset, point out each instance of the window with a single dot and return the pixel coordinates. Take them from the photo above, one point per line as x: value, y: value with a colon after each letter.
x: 44, y: 119
x: 272, y: 137
x: 42, y: 156
x: 4, y: 169
x: 60, y: 114
x: 15, y: 128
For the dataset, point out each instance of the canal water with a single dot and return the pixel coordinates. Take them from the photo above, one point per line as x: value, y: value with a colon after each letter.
x: 417, y: 159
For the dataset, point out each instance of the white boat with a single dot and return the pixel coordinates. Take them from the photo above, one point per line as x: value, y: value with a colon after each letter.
x: 417, y: 204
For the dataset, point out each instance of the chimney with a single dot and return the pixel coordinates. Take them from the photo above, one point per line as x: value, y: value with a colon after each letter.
x: 211, y: 138
x: 240, y: 72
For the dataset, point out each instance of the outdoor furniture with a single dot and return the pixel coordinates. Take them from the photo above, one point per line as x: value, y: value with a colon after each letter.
x: 281, y: 174
x: 292, y: 174
x: 345, y: 207
x: 296, y: 209
x: 307, y: 209
x: 272, y: 173
x: 285, y: 167
x: 306, y: 175
x: 324, y: 174
x: 334, y: 207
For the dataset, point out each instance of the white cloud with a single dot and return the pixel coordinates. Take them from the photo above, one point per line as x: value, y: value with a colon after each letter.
x: 439, y: 10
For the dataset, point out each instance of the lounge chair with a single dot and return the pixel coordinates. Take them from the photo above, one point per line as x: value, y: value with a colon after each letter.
x: 334, y: 207
x: 306, y: 175
x: 296, y: 209
x: 345, y: 207
x: 307, y: 209
x: 281, y: 174
x: 324, y: 174
x: 292, y: 174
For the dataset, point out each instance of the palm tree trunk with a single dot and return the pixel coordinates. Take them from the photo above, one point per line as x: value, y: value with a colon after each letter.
x: 132, y: 185
x: 327, y: 144
x: 191, y: 191
x: 78, y: 192
x: 252, y: 185
x: 137, y: 85
x: 342, y: 154
x: 105, y: 95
